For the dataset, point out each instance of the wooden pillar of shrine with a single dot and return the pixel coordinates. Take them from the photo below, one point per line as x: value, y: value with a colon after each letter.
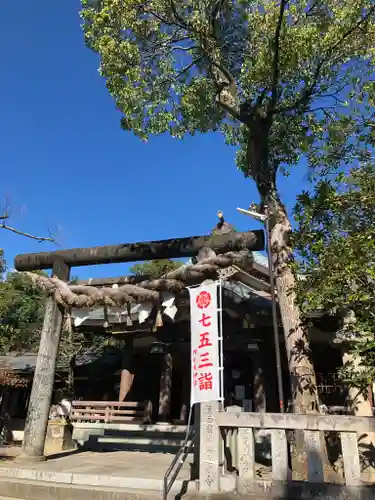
x: 127, y: 375
x: 185, y: 388
x: 44, y: 376
x: 165, y: 389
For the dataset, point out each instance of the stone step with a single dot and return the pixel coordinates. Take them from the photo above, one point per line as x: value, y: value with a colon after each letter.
x: 32, y: 490
x: 162, y: 438
x: 165, y: 436
x: 167, y: 428
x: 107, y: 444
x: 163, y: 430
x: 90, y: 487
x: 39, y: 490
x: 153, y: 432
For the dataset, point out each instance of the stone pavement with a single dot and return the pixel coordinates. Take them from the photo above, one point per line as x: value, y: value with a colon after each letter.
x: 119, y: 469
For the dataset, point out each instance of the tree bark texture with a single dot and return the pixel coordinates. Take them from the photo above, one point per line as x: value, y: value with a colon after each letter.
x: 304, y: 391
x: 301, y: 369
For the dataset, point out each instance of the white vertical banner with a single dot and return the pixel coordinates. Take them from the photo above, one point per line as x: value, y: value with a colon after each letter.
x: 205, y: 369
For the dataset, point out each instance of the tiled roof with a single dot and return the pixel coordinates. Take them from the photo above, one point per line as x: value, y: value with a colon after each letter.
x: 23, y: 362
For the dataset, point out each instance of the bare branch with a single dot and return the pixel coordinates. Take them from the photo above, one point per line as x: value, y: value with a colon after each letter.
x: 161, y: 18
x: 27, y: 235
x: 185, y: 49
x: 5, y: 226
x: 187, y: 67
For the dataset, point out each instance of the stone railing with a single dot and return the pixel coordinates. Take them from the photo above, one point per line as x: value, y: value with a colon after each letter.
x: 245, y: 476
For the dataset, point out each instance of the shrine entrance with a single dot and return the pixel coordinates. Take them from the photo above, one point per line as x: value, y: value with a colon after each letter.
x: 163, y: 300
x: 238, y: 380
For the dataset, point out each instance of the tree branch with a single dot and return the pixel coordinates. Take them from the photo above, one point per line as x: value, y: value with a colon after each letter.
x: 308, y: 12
x: 226, y: 89
x: 308, y: 90
x: 305, y: 95
x: 3, y: 225
x: 276, y: 53
x: 350, y: 31
x: 180, y: 22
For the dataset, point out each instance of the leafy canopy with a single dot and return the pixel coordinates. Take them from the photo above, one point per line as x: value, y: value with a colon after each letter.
x: 336, y: 244
x: 155, y: 268
x: 21, y: 313
x: 279, y: 78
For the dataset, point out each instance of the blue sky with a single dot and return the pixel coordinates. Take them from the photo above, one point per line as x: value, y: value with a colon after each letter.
x: 66, y: 163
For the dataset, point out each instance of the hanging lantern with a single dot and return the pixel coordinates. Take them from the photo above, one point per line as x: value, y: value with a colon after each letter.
x: 158, y: 348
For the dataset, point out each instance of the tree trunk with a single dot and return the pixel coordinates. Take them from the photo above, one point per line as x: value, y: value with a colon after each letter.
x: 302, y: 374
x: 301, y: 370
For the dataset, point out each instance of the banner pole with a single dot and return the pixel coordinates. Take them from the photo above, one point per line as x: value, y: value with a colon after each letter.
x: 221, y: 344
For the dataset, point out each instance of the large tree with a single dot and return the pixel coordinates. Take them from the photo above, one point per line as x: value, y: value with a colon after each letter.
x: 21, y: 303
x: 274, y: 77
x: 22, y: 307
x: 335, y: 241
x: 21, y: 313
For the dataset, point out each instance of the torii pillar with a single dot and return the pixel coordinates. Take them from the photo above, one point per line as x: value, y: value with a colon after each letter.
x: 44, y: 376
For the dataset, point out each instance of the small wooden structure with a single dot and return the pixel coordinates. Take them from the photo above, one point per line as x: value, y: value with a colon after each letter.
x: 111, y: 412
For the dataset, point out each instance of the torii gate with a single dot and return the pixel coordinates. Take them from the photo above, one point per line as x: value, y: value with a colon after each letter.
x: 61, y: 262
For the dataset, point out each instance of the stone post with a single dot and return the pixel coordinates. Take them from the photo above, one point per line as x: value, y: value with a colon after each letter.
x: 165, y: 389
x: 209, y: 448
x: 44, y: 376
